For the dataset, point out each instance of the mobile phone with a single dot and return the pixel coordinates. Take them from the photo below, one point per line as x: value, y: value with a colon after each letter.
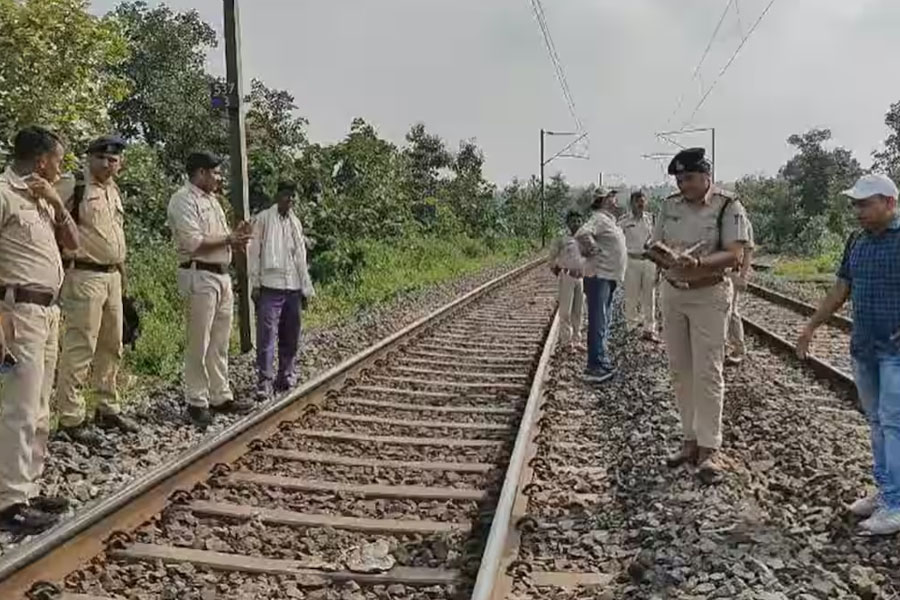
x: 9, y: 363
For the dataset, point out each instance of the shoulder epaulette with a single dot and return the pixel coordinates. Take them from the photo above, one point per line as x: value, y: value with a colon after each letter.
x: 726, y: 193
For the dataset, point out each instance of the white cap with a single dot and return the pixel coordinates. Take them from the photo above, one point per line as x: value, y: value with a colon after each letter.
x: 872, y: 185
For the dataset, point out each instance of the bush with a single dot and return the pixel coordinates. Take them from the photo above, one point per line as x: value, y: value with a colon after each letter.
x: 151, y: 276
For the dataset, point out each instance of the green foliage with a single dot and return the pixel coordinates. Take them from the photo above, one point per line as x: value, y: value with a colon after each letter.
x: 151, y: 280
x: 887, y: 160
x: 57, y: 68
x: 170, y: 107
x: 808, y: 268
x: 403, y: 266
x: 801, y: 211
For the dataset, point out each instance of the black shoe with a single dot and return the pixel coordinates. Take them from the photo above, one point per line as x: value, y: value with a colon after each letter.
x: 597, y: 375
x: 22, y: 519
x: 238, y: 407
x: 284, y: 385
x: 82, y: 434
x: 263, y: 392
x: 50, y: 504
x: 116, y: 421
x: 199, y: 416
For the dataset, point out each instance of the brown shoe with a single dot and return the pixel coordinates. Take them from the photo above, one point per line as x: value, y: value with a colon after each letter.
x: 687, y: 454
x: 710, y: 469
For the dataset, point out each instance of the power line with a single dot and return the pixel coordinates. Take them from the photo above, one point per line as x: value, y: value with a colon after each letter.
x: 696, y: 72
x: 728, y: 64
x: 538, y: 9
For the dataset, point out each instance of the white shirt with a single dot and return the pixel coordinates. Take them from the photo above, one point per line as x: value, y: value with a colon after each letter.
x: 602, y: 245
x: 638, y: 231
x: 276, y: 255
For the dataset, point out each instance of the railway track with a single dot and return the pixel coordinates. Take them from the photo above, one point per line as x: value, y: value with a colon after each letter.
x: 385, y: 472
x: 779, y: 319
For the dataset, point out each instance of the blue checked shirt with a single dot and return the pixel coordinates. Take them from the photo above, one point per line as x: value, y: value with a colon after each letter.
x: 871, y: 267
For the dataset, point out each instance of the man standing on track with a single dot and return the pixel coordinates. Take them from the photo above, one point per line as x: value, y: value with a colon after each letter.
x: 566, y: 263
x: 92, y: 297
x: 868, y: 275
x: 707, y: 227
x: 33, y: 219
x: 640, y: 277
x: 205, y: 243
x: 281, y: 286
x: 736, y: 348
x: 602, y: 244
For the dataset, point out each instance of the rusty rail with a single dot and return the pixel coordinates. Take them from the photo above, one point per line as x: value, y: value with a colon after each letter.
x: 63, y: 549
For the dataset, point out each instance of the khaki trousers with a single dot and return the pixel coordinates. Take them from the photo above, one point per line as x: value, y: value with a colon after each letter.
x: 92, y: 334
x: 640, y: 294
x: 210, y: 303
x: 694, y: 332
x: 571, y: 307
x: 33, y: 338
x: 736, y: 342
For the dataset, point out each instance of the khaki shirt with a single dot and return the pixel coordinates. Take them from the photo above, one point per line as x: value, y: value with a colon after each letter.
x: 101, y: 221
x: 682, y: 224
x: 194, y: 215
x: 638, y: 231
x: 29, y: 255
x: 602, y: 245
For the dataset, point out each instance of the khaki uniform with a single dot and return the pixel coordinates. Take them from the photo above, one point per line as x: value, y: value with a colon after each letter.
x: 29, y: 261
x: 695, y: 318
x: 194, y: 215
x: 735, y: 323
x: 640, y: 277
x: 92, y: 304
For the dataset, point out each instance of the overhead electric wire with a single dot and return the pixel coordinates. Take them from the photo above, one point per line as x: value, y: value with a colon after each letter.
x: 538, y: 9
x: 729, y: 63
x: 709, y: 45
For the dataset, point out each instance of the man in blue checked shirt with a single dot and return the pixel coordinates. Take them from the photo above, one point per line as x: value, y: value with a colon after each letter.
x: 870, y: 277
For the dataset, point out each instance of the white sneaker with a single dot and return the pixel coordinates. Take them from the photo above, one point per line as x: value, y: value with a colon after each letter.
x: 866, y: 507
x: 885, y: 521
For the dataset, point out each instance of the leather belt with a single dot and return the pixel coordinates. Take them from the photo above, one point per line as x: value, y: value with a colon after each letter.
x: 86, y: 265
x: 216, y: 268
x: 23, y: 296
x: 697, y: 284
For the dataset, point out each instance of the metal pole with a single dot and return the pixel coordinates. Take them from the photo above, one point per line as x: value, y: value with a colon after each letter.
x: 238, y: 153
x: 600, y: 180
x: 543, y: 232
x: 713, y: 154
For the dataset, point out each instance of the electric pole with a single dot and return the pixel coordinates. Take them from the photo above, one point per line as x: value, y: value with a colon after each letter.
x: 543, y: 229
x: 238, y: 162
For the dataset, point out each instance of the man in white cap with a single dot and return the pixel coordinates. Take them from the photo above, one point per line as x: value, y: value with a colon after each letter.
x: 868, y: 275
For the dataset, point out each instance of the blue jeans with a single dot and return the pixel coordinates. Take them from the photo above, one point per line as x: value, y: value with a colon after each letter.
x: 599, y: 293
x: 878, y: 383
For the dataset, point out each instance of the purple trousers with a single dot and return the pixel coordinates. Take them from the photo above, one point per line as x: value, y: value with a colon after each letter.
x: 277, y: 316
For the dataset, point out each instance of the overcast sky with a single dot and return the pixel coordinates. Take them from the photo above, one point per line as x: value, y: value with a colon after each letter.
x: 479, y: 69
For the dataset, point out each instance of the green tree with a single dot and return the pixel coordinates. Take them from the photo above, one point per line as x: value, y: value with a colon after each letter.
x: 57, y: 67
x: 887, y: 160
x: 170, y: 107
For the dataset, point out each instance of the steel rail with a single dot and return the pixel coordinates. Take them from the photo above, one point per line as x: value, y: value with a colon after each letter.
x: 841, y: 322
x: 77, y: 537
x: 500, y: 526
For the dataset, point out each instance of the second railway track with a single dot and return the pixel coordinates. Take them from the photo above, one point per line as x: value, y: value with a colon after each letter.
x: 383, y: 473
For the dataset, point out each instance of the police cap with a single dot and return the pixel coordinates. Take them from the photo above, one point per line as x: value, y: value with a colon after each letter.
x: 690, y: 160
x: 202, y: 160
x: 107, y: 144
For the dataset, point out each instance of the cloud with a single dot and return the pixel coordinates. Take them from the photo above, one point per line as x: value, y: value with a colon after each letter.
x: 478, y: 68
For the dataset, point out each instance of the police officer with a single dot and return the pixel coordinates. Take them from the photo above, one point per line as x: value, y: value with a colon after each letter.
x: 92, y: 297
x: 708, y: 229
x: 204, y: 243
x: 640, y: 277
x: 32, y: 219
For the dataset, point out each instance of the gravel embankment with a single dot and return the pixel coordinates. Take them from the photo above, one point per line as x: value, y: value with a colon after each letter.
x: 776, y: 528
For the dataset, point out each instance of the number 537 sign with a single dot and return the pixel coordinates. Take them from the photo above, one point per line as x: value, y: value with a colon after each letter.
x: 222, y: 94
